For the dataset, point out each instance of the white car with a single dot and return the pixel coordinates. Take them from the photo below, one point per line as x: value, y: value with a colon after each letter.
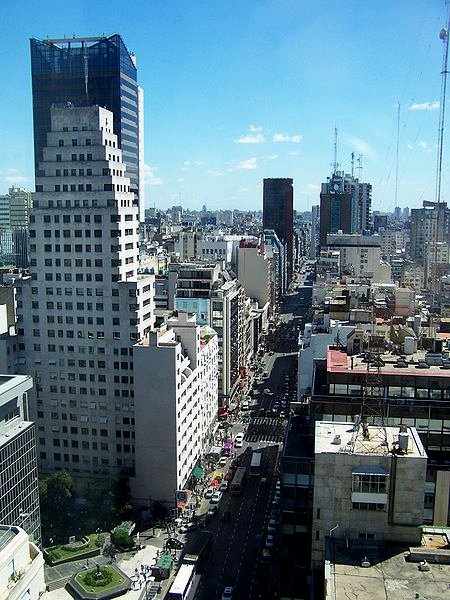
x: 238, y: 444
x: 239, y: 437
x: 216, y: 497
x: 223, y: 486
x: 209, y: 493
x: 223, y: 461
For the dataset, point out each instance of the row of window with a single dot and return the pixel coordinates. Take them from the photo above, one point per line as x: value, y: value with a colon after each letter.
x: 79, y: 248
x: 87, y: 142
x: 85, y: 203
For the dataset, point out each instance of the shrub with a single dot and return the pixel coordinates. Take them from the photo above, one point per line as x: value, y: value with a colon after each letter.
x: 91, y: 578
x: 121, y: 539
x: 100, y: 540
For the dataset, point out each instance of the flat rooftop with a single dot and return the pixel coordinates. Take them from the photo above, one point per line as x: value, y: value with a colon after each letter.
x: 339, y: 362
x: 389, y: 577
x: 344, y: 438
x: 9, y: 382
x: 6, y: 535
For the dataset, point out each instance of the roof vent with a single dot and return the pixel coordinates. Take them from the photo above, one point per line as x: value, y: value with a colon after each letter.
x: 365, y: 562
x: 337, y: 440
x: 424, y: 566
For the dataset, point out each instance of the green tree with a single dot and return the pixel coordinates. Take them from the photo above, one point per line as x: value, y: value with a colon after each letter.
x: 121, y: 539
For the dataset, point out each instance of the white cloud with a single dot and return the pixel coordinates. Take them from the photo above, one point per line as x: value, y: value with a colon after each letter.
x: 425, y: 105
x: 150, y: 177
x: 256, y: 138
x: 255, y: 128
x: 271, y: 157
x: 214, y: 173
x: 192, y: 163
x: 16, y: 179
x: 285, y: 137
x: 246, y: 165
x: 313, y: 187
x: 409, y: 146
x: 422, y: 144
x: 361, y: 146
x: 243, y: 190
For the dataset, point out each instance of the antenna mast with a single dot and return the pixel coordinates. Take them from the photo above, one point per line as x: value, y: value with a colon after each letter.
x: 353, y: 163
x: 359, y: 167
x: 335, y: 162
x: 396, y: 154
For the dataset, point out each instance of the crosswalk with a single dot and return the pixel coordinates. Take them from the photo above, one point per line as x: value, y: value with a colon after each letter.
x: 265, y: 429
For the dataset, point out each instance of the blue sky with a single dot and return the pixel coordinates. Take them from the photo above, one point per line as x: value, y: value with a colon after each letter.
x: 241, y: 90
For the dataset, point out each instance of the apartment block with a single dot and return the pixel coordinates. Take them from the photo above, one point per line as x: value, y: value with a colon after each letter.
x: 176, y: 400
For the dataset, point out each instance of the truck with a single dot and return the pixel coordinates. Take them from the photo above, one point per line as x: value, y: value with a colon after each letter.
x: 196, y: 549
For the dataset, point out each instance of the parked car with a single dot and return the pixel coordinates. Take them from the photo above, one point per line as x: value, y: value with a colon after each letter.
x: 272, y: 526
x: 175, y: 543
x: 229, y: 475
x: 269, y: 541
x: 208, y: 494
x: 216, y: 497
x: 223, y: 461
x: 239, y: 437
x: 223, y: 487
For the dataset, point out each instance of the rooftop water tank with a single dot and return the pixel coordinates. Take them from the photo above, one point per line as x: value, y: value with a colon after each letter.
x: 410, y: 345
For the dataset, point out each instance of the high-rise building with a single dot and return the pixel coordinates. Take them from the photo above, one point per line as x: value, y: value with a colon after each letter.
x: 278, y: 214
x: 345, y: 205
x: 84, y: 305
x: 14, y: 218
x: 19, y: 494
x: 431, y: 223
x: 85, y: 72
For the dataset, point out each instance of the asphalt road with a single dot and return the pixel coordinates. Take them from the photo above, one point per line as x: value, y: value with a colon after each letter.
x: 236, y: 557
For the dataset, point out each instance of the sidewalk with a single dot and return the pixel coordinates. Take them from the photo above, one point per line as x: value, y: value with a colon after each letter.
x: 127, y: 562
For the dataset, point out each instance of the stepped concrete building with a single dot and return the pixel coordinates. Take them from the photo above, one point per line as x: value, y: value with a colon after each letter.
x: 84, y: 306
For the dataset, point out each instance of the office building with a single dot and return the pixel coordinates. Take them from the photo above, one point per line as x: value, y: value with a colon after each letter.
x: 278, y: 214
x: 19, y: 494
x: 176, y: 400
x: 14, y: 219
x: 365, y: 488
x: 84, y: 72
x: 360, y: 255
x: 345, y: 205
x: 428, y: 224
x: 21, y: 565
x: 84, y: 305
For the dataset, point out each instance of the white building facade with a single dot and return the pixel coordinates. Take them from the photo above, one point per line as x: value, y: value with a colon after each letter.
x: 176, y: 399
x: 84, y: 305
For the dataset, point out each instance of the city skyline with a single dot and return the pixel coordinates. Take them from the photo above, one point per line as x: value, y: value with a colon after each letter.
x: 238, y: 94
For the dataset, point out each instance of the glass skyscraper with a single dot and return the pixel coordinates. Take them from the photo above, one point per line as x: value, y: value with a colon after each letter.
x: 84, y: 72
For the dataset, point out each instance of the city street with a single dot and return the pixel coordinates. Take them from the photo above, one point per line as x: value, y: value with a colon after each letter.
x: 236, y: 558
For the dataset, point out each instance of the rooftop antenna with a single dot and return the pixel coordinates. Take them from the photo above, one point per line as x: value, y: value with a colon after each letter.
x: 396, y: 154
x: 443, y: 35
x: 335, y: 162
x: 359, y: 167
x: 353, y: 163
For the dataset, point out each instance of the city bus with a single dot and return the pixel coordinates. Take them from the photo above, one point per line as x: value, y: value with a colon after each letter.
x: 181, y: 588
x: 238, y: 481
x: 255, y: 465
x: 227, y: 449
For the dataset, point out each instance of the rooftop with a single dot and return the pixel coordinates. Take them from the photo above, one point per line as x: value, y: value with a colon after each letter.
x: 336, y: 438
x: 389, y: 577
x: 391, y: 364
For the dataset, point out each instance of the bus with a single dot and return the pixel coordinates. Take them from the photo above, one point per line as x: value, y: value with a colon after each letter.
x: 255, y: 465
x: 182, y: 586
x: 238, y: 481
x: 227, y: 449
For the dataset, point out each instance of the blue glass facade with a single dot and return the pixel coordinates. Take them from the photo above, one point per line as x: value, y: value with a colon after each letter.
x: 84, y: 72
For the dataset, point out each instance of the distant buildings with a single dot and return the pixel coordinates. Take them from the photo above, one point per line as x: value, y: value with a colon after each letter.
x: 428, y: 224
x: 176, y: 406
x: 19, y: 494
x: 278, y: 214
x: 14, y: 220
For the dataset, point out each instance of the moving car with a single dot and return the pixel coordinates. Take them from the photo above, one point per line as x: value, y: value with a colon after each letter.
x: 223, y: 487
x: 272, y: 526
x: 228, y: 593
x: 239, y: 437
x: 209, y: 493
x: 269, y: 541
x: 222, y: 461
